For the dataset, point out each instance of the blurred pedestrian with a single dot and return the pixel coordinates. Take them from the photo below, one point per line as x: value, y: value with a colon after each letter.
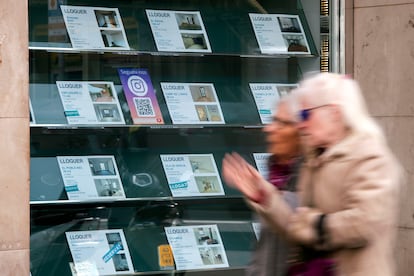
x: 348, y: 186
x: 272, y: 251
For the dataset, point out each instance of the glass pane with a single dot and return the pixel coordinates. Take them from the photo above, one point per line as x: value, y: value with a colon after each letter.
x: 143, y: 226
x: 230, y: 76
x: 229, y: 30
x: 137, y: 153
x: 235, y: 61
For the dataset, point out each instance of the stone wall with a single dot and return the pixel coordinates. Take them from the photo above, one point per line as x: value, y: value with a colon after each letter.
x: 383, y: 61
x: 14, y: 145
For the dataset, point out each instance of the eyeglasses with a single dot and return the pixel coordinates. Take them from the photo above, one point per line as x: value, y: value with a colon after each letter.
x: 282, y: 122
x: 305, y: 114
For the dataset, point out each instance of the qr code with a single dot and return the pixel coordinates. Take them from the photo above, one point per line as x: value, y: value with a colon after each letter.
x: 144, y: 107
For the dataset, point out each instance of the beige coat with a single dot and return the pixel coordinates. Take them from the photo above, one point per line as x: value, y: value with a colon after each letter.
x: 356, y: 183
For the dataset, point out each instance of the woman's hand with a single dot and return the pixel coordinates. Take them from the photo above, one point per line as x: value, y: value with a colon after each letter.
x: 241, y: 175
x: 262, y: 196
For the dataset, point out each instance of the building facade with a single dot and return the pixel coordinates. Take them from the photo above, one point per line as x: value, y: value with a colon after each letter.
x: 378, y: 52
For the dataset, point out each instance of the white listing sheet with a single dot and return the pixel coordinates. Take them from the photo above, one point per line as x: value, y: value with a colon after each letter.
x: 279, y: 33
x: 192, y: 175
x: 197, y: 247
x: 178, y: 31
x: 262, y: 163
x: 90, y: 102
x: 95, y: 28
x: 91, y: 177
x: 192, y: 103
x: 266, y: 95
x: 257, y: 227
x: 32, y: 116
x: 100, y: 252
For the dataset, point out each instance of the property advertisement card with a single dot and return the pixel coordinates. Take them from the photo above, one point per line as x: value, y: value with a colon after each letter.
x: 91, y: 177
x: 192, y: 103
x: 262, y: 163
x: 256, y: 229
x: 178, y: 31
x: 266, y: 95
x: 92, y: 102
x: 197, y: 247
x: 192, y: 175
x: 100, y: 252
x: 32, y: 119
x: 95, y: 28
x: 140, y: 96
x: 279, y: 33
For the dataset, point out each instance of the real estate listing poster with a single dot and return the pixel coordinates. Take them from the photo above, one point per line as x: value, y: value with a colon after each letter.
x: 192, y: 103
x: 262, y: 163
x: 257, y: 227
x: 279, y: 34
x: 95, y: 27
x: 192, y: 175
x: 197, y: 247
x: 178, y: 31
x: 92, y: 102
x: 91, y: 177
x: 266, y: 95
x: 100, y: 252
x: 32, y: 117
x: 140, y: 96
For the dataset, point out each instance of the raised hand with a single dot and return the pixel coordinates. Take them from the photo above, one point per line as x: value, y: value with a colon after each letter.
x: 241, y: 175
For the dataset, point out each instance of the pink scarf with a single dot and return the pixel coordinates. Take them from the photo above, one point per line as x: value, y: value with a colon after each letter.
x: 279, y: 174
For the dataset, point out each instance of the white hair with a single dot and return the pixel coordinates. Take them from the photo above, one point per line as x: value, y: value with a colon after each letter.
x: 291, y: 104
x: 331, y: 88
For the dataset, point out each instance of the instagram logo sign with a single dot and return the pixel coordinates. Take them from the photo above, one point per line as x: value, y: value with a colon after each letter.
x: 137, y: 86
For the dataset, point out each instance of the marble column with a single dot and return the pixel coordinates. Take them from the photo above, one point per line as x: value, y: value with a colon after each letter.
x: 383, y: 64
x: 14, y: 133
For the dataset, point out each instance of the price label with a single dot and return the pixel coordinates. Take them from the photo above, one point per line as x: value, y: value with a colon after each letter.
x: 165, y: 257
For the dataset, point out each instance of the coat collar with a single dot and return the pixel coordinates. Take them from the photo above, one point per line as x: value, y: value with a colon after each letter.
x: 340, y: 150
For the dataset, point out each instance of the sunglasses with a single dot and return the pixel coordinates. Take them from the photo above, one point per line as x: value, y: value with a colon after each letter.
x: 305, y: 114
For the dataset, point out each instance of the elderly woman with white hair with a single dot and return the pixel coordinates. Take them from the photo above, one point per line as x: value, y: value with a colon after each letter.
x: 348, y: 185
x: 272, y: 251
